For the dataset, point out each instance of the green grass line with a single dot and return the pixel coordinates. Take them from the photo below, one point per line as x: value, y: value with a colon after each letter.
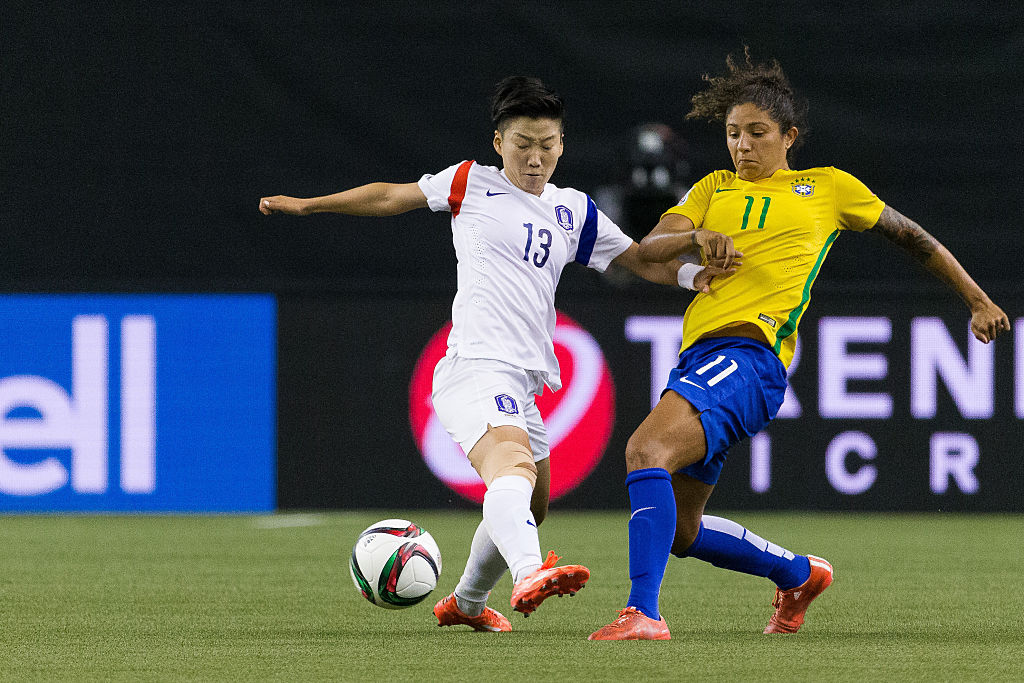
x: 918, y: 597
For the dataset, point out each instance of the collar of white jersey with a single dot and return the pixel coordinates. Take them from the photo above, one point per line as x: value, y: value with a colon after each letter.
x: 548, y: 187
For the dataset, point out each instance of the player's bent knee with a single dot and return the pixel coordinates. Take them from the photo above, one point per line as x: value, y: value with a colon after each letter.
x: 643, y: 453
x: 505, y: 458
x: 684, y: 538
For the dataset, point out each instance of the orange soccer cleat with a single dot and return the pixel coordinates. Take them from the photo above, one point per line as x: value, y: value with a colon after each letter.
x: 633, y: 624
x: 539, y: 585
x: 448, y: 614
x: 790, y: 606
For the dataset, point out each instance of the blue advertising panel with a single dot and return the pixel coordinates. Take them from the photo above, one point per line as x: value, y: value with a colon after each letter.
x: 158, y: 403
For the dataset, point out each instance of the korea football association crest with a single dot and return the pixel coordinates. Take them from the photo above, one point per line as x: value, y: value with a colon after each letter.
x: 506, y: 404
x: 803, y: 187
x: 564, y: 217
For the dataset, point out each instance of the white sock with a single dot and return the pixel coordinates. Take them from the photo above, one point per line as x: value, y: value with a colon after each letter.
x: 484, y: 569
x: 511, y: 525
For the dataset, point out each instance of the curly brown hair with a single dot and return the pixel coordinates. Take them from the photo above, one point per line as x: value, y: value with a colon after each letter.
x: 764, y: 85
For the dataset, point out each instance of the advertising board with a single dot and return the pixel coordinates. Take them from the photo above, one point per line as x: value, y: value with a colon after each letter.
x: 137, y: 403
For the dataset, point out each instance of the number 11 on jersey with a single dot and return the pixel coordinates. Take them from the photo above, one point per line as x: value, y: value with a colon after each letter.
x: 750, y: 205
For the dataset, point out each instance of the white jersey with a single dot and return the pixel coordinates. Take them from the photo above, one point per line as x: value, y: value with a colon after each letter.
x: 511, y: 247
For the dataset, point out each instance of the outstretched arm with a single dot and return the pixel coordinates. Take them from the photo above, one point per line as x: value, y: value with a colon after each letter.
x: 987, y: 319
x: 375, y: 199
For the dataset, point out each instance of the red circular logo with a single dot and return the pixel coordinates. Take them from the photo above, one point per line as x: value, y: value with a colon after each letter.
x: 578, y: 418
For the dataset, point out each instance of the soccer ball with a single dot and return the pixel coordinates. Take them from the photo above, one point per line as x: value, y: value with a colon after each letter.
x: 395, y: 563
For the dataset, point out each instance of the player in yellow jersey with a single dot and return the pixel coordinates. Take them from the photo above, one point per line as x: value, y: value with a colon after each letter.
x: 738, y: 339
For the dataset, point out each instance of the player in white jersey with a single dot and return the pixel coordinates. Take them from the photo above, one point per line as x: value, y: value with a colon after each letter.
x: 513, y: 234
x: 511, y: 246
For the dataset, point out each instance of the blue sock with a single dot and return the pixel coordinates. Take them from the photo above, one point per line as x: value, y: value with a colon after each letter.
x: 652, y: 527
x: 726, y: 544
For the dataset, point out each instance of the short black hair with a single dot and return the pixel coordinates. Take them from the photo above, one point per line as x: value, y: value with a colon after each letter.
x: 764, y: 85
x: 524, y: 96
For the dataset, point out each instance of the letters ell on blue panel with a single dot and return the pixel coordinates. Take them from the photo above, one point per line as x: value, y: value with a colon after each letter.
x: 149, y: 403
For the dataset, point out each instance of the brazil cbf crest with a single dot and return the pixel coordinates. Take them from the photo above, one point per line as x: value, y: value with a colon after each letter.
x: 564, y: 217
x: 803, y: 187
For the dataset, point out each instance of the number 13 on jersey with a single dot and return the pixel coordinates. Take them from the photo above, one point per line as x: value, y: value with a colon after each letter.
x: 543, y: 244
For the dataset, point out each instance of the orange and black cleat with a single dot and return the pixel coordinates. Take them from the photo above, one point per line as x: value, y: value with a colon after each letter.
x: 539, y: 585
x: 448, y: 614
x: 791, y: 605
x: 633, y: 624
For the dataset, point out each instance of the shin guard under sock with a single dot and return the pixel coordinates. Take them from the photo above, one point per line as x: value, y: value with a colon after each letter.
x: 484, y: 568
x: 510, y: 523
x: 652, y: 527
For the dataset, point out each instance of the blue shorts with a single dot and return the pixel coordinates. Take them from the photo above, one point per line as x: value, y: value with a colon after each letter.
x: 737, y: 384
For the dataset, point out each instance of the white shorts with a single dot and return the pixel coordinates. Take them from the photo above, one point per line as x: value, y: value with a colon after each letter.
x: 471, y: 393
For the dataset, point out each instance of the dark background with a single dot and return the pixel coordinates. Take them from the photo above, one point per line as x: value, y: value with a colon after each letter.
x: 136, y: 139
x: 345, y: 438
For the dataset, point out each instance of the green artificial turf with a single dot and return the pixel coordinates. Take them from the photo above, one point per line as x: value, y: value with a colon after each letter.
x: 916, y: 597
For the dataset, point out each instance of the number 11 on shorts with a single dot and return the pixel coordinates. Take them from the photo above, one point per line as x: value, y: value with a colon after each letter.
x: 728, y: 370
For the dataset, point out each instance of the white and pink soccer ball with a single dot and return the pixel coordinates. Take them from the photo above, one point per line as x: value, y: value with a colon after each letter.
x: 395, y: 563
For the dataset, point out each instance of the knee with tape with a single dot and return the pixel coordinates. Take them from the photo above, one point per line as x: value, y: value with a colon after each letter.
x: 505, y: 458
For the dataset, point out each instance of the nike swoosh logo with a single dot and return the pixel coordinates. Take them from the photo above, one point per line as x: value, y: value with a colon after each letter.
x: 639, y: 510
x: 683, y: 379
x: 727, y: 189
x: 494, y: 194
x: 529, y: 523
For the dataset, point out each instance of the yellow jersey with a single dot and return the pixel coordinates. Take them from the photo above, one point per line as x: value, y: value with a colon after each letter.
x: 784, y: 226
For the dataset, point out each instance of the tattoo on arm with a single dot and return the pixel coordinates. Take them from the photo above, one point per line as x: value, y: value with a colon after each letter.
x: 904, y: 232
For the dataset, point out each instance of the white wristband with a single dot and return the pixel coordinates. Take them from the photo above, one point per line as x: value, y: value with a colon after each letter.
x: 686, y: 274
